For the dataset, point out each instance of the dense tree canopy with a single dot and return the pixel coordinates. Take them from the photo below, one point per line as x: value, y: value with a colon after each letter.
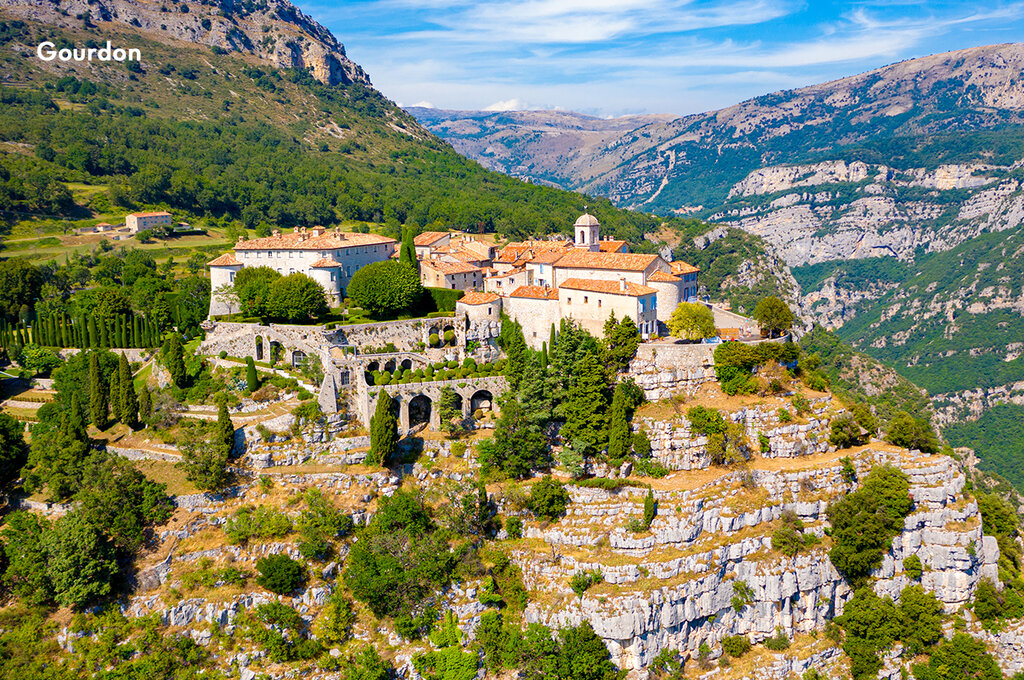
x: 385, y: 288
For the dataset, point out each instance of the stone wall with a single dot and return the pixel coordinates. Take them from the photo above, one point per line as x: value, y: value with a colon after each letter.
x: 663, y: 369
x: 675, y: 583
x: 406, y: 336
x: 677, y: 447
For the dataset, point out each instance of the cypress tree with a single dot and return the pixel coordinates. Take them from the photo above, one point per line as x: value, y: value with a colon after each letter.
x: 175, y: 359
x: 115, y: 396
x: 135, y: 332
x: 225, y: 436
x: 586, y: 405
x: 104, y: 329
x: 252, y: 381
x: 64, y: 331
x: 145, y: 404
x: 551, y: 343
x: 407, y: 253
x: 97, y: 393
x: 383, y: 430
x: 94, y: 336
x: 544, y: 357
x: 129, y: 400
x: 620, y: 437
x: 515, y: 349
x: 76, y: 421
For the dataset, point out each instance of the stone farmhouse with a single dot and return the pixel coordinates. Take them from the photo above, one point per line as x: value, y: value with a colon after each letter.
x: 137, y: 222
x: 538, y: 283
x: 329, y: 257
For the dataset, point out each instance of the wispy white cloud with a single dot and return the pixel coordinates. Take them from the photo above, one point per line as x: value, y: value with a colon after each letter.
x: 634, y: 56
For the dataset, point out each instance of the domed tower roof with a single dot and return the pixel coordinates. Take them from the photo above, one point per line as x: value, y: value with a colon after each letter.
x: 586, y: 220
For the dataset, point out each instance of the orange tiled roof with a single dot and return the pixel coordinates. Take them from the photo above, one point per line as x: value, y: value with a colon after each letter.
x: 549, y: 257
x: 530, y: 249
x: 225, y: 260
x: 680, y: 267
x: 584, y: 259
x: 612, y: 246
x: 474, y: 298
x: 330, y: 240
x: 428, y: 237
x: 510, y: 272
x: 663, y: 276
x: 536, y: 292
x: 450, y: 267
x: 325, y: 263
x: 160, y: 213
x: 609, y: 287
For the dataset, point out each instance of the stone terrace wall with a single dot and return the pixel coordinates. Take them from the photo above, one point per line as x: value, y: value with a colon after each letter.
x: 677, y: 447
x: 405, y: 335
x: 662, y: 370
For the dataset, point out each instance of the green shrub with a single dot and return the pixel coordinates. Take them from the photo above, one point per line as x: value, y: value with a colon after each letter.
x: 735, y: 645
x: 785, y: 416
x: 777, y: 643
x: 261, y: 522
x: 514, y: 527
x: 912, y: 565
x: 449, y: 339
x: 648, y: 467
x: 582, y: 581
x: 641, y: 444
x: 280, y: 574
x: 548, y: 499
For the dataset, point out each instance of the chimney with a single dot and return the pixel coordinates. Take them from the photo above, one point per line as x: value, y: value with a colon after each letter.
x: 317, y: 231
x: 276, y: 232
x: 622, y: 284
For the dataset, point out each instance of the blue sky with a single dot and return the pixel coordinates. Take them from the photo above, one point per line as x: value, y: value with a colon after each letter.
x: 615, y: 57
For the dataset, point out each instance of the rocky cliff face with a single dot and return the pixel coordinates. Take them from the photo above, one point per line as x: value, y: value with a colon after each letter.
x: 674, y: 586
x: 273, y: 31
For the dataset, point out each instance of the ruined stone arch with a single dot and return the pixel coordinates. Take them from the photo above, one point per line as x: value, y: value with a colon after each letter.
x: 481, y: 400
x: 420, y: 410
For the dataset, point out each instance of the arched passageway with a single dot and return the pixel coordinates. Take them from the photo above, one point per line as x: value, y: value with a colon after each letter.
x: 420, y: 408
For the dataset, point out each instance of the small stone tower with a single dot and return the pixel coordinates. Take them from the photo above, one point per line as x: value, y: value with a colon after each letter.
x: 588, y: 233
x: 222, y: 272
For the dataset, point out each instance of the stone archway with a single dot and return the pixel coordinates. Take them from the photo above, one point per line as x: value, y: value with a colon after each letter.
x: 389, y: 365
x: 276, y: 352
x: 370, y: 368
x: 298, y: 356
x: 406, y: 364
x: 259, y: 348
x: 482, y: 400
x: 420, y: 410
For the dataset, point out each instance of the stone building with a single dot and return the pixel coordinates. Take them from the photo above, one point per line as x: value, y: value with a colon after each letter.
x: 137, y: 222
x: 587, y: 279
x: 454, y: 275
x: 329, y: 257
x: 427, y: 241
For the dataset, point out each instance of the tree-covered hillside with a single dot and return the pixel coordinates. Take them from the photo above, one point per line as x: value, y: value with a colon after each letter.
x: 204, y: 132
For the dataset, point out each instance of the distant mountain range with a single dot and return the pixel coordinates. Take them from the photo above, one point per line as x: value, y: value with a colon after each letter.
x: 894, y: 196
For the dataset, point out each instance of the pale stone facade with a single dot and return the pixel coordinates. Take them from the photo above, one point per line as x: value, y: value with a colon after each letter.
x: 329, y: 257
x: 453, y: 275
x: 137, y: 222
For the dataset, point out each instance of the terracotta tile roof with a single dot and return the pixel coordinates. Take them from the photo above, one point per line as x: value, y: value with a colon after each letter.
x: 510, y: 272
x: 428, y: 237
x: 473, y: 298
x: 225, y: 260
x: 535, y: 292
x: 609, y: 287
x: 160, y: 213
x: 584, y: 259
x: 330, y: 240
x: 680, y: 267
x: 517, y: 250
x: 465, y: 255
x: 612, y: 246
x: 549, y: 257
x: 450, y: 267
x: 325, y: 263
x: 663, y: 276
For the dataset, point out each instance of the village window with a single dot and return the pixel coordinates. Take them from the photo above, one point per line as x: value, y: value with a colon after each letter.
x: 586, y: 299
x: 568, y: 301
x: 333, y: 275
x: 599, y: 303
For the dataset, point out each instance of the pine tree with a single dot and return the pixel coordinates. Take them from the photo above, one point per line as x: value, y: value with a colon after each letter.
x: 225, y: 434
x: 145, y: 404
x: 383, y: 430
x: 97, y: 393
x: 129, y: 400
x: 252, y: 379
x: 536, y: 391
x: 586, y: 405
x: 115, y: 396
